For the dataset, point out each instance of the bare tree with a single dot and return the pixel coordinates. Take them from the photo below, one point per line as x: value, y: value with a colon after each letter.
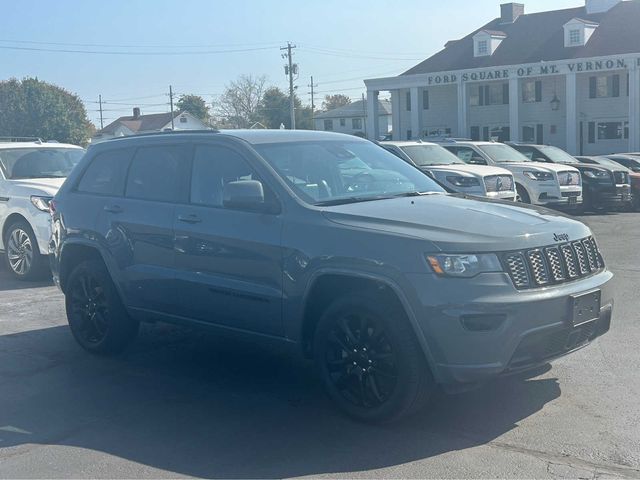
x: 239, y: 105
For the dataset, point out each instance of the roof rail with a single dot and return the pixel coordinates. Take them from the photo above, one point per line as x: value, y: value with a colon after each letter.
x: 158, y: 134
x: 21, y: 139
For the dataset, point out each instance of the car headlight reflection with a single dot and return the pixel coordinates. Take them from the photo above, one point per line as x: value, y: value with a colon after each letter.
x: 468, y: 265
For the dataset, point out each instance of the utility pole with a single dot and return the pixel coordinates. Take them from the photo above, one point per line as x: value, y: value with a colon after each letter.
x: 171, y: 103
x: 290, y: 70
x: 313, y: 104
x: 100, y: 102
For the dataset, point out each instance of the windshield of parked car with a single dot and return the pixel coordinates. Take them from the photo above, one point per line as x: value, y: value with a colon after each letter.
x: 607, y: 162
x: 501, y: 153
x: 344, y: 171
x: 557, y: 155
x: 22, y: 163
x: 425, y: 155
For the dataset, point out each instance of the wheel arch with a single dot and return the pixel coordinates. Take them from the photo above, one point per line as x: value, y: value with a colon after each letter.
x: 73, y: 253
x: 10, y: 220
x: 322, y: 289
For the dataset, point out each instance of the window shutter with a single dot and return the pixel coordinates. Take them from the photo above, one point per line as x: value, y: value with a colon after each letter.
x: 475, y: 133
x: 485, y: 133
x: 505, y: 93
x: 592, y: 132
x: 615, y: 79
x: 592, y: 87
x: 538, y: 91
x: 425, y: 99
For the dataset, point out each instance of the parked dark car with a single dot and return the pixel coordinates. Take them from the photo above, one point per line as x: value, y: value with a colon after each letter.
x: 613, y: 161
x: 329, y: 244
x: 603, y: 187
x: 632, y: 162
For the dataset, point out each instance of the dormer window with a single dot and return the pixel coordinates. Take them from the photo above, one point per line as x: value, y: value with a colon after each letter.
x: 577, y: 32
x: 486, y: 42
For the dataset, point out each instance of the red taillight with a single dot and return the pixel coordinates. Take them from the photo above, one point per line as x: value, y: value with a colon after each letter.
x: 52, y: 207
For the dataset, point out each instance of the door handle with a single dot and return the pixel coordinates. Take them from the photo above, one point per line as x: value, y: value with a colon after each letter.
x: 113, y: 209
x: 189, y: 219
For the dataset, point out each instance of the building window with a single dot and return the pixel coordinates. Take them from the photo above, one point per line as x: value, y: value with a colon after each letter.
x: 500, y: 134
x: 604, y: 86
x: 493, y: 94
x: 425, y: 100
x: 343, y: 122
x: 528, y: 134
x: 183, y: 119
x: 483, y: 47
x: 409, y: 134
x: 575, y: 37
x: 613, y: 130
x: 437, y: 132
x: 408, y: 98
x: 356, y: 123
x: 532, y: 91
x: 328, y: 125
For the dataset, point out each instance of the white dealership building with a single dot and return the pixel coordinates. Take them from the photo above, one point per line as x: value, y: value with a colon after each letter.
x: 569, y: 78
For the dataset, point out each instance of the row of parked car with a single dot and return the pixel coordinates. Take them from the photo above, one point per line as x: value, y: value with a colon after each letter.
x: 322, y: 242
x: 533, y: 174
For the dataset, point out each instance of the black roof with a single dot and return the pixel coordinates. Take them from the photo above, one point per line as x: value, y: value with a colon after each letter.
x: 540, y: 37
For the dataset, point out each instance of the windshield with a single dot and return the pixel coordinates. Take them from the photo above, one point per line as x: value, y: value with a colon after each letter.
x: 20, y: 163
x: 336, y: 172
x: 423, y: 155
x: 609, y: 163
x: 501, y: 153
x: 558, y: 156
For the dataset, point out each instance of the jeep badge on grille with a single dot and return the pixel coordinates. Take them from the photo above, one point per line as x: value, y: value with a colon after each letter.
x: 561, y: 237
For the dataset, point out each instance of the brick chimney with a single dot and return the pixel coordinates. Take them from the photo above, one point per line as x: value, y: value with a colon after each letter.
x: 509, y: 12
x: 136, y: 113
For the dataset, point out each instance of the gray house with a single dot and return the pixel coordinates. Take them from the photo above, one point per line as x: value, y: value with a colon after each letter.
x: 351, y: 119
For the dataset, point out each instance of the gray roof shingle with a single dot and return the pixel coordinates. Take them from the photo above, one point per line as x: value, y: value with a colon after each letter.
x: 540, y: 37
x: 144, y: 123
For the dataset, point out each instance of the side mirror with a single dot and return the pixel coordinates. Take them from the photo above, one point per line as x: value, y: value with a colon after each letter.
x: 244, y: 195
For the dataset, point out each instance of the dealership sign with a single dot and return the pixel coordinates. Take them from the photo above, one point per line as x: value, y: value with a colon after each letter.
x: 530, y: 71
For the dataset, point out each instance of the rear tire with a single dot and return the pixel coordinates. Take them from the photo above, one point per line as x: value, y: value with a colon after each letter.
x: 22, y: 254
x: 370, y: 361
x: 96, y: 315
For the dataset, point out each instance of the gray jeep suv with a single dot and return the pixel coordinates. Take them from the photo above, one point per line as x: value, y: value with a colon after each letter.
x: 328, y: 243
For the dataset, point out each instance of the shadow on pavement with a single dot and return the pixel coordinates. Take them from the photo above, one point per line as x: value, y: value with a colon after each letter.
x: 8, y: 282
x: 192, y: 404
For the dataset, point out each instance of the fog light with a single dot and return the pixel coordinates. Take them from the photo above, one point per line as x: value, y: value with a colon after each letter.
x: 482, y: 322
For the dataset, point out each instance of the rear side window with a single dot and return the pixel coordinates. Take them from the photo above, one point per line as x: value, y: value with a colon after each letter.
x: 106, y: 173
x: 213, y: 168
x: 156, y: 173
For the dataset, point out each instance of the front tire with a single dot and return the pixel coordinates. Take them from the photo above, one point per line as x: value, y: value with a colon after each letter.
x: 370, y: 361
x: 96, y: 315
x: 521, y: 195
x: 22, y: 254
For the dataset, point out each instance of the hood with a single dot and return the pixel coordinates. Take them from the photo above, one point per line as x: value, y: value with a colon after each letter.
x: 537, y: 167
x: 457, y: 223
x: 46, y: 186
x: 475, y: 170
x: 590, y: 166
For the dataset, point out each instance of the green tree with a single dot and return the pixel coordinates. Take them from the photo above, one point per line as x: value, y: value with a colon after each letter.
x: 32, y: 108
x: 274, y: 110
x: 195, y: 105
x: 332, y: 102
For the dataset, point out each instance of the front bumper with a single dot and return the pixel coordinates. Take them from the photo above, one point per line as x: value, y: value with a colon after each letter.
x: 497, y: 329
x: 610, y: 197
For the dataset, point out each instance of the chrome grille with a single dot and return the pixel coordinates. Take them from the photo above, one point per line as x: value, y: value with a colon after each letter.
x: 621, y: 177
x: 539, y: 267
x: 498, y: 183
x: 569, y: 178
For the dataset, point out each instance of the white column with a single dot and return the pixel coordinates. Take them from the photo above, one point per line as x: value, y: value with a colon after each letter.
x: 514, y: 108
x: 572, y: 113
x: 395, y: 115
x: 416, y: 110
x: 634, y: 107
x: 462, y: 109
x: 373, y: 116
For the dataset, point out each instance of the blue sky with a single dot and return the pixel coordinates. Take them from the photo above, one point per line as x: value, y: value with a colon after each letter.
x: 340, y: 43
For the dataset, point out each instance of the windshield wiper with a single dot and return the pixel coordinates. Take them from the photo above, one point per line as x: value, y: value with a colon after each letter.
x: 345, y: 201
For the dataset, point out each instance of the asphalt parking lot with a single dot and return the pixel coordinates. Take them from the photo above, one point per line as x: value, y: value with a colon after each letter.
x: 182, y: 403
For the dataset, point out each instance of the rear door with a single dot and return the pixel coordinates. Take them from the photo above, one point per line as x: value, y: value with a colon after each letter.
x: 229, y: 261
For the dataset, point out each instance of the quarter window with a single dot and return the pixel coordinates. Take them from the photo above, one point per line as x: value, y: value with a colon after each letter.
x: 106, y: 173
x: 155, y: 173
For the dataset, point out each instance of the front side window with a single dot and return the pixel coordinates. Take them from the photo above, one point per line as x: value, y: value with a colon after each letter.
x: 23, y: 163
x: 155, y: 173
x: 213, y: 168
x: 106, y: 173
x: 344, y: 171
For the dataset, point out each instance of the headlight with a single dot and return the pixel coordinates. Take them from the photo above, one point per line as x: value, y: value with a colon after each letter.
x: 41, y: 203
x: 539, y: 176
x: 464, y: 265
x: 460, y: 181
x: 596, y: 174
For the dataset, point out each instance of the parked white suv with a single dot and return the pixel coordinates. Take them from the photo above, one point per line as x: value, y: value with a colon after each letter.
x: 449, y: 170
x: 547, y: 184
x: 31, y: 173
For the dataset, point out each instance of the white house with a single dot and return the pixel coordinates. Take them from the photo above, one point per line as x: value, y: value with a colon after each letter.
x: 156, y: 122
x: 569, y: 78
x: 351, y: 119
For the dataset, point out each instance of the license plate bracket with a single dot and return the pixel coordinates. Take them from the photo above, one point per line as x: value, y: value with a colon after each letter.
x: 586, y: 307
x: 573, y: 200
